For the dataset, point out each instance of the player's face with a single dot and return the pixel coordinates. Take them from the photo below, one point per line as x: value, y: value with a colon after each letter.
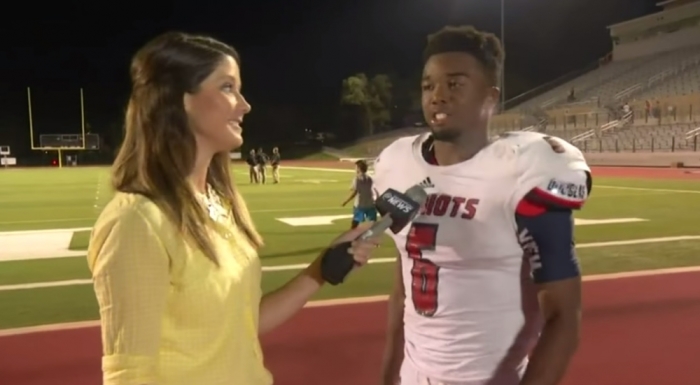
x: 216, y: 110
x: 456, y: 95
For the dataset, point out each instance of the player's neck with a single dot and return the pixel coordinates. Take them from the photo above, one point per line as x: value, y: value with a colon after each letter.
x: 461, y: 150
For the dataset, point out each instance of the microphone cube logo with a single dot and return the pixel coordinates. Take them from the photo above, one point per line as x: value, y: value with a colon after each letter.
x: 398, y: 202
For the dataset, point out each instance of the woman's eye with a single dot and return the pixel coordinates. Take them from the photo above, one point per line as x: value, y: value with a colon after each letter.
x: 228, y: 87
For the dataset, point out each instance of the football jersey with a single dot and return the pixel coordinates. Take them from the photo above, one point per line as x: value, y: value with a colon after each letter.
x: 471, y: 313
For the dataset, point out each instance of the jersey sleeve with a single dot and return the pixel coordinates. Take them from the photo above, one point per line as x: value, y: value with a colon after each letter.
x: 552, y: 175
x: 547, y: 240
x: 552, y: 180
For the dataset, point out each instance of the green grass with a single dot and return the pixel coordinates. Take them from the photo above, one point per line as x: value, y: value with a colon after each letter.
x: 72, y: 198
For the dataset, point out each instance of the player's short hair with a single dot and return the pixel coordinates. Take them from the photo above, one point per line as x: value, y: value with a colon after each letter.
x: 483, y: 46
x: 362, y: 166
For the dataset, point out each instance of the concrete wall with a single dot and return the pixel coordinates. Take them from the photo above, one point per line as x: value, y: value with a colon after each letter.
x: 643, y: 159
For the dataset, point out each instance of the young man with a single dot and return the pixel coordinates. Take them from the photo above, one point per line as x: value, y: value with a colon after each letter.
x: 252, y: 162
x: 275, y: 161
x: 261, y: 159
x: 362, y: 190
x: 489, y: 265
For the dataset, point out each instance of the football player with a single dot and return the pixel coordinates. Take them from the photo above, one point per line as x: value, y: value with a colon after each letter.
x: 488, y: 287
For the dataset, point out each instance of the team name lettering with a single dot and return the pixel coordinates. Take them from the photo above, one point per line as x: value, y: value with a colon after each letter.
x: 530, y: 250
x: 568, y: 190
x: 440, y: 205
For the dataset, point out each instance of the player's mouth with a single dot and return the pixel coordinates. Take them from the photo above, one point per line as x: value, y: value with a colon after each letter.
x: 439, y: 119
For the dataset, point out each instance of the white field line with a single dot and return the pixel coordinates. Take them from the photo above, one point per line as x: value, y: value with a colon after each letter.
x: 648, y: 189
x: 74, y: 282
x: 660, y: 190
x: 346, y: 301
x: 281, y: 210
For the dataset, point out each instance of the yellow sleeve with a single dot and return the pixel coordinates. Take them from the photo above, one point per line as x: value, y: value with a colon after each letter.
x: 130, y: 269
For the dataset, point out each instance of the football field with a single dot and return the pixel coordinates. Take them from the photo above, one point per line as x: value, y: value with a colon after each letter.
x: 635, y: 220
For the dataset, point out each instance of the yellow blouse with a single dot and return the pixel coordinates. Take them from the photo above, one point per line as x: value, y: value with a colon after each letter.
x: 170, y: 316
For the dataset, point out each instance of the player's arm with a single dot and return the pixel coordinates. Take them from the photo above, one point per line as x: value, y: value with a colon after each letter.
x: 353, y: 192
x: 546, y: 231
x: 557, y: 276
x: 393, y: 350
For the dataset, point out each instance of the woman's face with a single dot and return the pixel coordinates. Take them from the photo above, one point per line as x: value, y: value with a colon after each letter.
x: 217, y: 109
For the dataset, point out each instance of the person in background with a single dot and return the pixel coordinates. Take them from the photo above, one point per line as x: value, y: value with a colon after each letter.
x: 173, y: 255
x: 262, y: 159
x: 362, y: 190
x: 275, y: 161
x: 252, y: 162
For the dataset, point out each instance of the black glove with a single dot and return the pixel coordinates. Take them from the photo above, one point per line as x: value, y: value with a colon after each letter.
x: 337, y: 263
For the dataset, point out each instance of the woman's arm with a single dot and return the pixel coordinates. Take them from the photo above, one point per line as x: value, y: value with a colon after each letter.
x: 280, y: 305
x: 130, y: 270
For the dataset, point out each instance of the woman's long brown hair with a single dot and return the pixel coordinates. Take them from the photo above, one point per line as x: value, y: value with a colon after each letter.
x: 159, y: 149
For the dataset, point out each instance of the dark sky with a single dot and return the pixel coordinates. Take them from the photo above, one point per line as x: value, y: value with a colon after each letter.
x: 295, y: 53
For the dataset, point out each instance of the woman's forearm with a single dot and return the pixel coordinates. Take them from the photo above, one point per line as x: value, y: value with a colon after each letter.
x: 280, y: 305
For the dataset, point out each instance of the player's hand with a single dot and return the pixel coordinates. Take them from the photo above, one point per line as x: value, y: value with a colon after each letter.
x: 359, y: 249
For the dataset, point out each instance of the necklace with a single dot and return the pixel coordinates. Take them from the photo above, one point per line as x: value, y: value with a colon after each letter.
x: 215, y: 208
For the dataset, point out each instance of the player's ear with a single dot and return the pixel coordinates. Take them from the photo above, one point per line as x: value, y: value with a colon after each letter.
x: 492, y: 98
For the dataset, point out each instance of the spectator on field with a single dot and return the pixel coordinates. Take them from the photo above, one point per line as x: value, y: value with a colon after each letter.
x: 275, y: 161
x: 262, y: 159
x: 363, y: 191
x: 252, y: 162
x: 173, y: 255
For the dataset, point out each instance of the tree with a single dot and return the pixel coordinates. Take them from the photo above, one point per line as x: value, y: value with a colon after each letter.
x: 369, y: 100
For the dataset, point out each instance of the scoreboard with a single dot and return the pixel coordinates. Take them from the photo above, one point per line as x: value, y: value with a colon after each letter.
x: 70, y: 141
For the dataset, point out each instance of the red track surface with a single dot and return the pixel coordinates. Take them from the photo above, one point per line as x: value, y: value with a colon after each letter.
x: 636, y: 331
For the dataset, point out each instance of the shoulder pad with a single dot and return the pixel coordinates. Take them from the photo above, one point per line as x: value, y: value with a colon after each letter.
x: 395, y: 152
x: 550, y: 171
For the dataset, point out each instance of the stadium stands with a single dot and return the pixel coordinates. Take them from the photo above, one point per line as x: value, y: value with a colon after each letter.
x: 645, y: 96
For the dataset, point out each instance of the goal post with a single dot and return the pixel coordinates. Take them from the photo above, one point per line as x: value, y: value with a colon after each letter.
x: 62, y: 142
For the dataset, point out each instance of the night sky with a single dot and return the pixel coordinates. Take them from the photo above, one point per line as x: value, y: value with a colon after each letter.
x: 295, y: 53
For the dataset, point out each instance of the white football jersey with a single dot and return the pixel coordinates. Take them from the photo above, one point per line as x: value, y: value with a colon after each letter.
x: 471, y: 313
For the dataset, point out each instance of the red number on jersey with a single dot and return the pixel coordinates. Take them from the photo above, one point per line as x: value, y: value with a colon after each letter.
x: 424, y: 273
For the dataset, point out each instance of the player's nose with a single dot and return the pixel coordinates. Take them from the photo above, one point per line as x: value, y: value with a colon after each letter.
x: 439, y: 95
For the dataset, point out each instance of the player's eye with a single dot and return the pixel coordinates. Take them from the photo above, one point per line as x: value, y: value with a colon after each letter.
x: 426, y: 87
x: 228, y: 87
x: 453, y: 84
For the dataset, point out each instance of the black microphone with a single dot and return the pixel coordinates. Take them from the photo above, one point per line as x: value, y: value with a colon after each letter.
x: 397, y: 211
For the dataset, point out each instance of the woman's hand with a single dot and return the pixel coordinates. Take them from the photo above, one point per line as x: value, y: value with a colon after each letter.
x: 359, y: 249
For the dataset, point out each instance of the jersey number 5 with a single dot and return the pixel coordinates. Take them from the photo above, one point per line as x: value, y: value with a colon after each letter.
x: 424, y: 273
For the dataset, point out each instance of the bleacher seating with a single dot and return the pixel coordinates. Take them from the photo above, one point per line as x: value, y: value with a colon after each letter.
x: 661, y: 91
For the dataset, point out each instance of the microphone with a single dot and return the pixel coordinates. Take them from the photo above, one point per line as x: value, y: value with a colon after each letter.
x: 397, y: 211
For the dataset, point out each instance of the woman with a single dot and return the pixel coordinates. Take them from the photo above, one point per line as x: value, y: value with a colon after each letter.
x: 173, y: 255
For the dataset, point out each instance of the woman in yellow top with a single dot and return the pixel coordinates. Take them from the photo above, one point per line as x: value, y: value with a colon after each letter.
x: 173, y: 255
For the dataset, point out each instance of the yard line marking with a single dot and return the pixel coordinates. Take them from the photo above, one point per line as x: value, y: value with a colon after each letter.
x: 318, y: 169
x: 345, y: 301
x: 281, y: 210
x: 300, y: 266
x: 594, y: 185
x: 648, y: 189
